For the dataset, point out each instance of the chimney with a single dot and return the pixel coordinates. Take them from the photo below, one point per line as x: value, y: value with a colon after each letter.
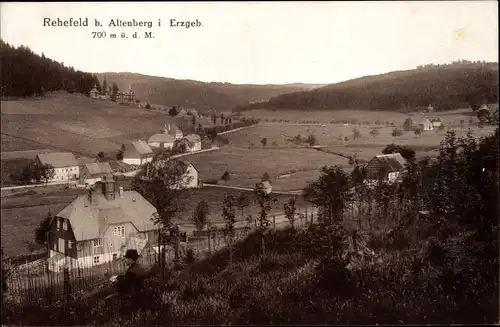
x: 108, y: 188
x: 120, y: 191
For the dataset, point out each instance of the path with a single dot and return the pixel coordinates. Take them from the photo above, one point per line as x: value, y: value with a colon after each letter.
x: 37, y: 185
x: 251, y: 189
x: 236, y: 129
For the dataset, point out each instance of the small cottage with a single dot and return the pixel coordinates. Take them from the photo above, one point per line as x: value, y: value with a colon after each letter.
x: 436, y: 122
x: 92, y: 173
x: 425, y: 125
x: 385, y: 167
x: 94, y: 93
x: 137, y: 153
x: 161, y: 140
x: 194, y: 142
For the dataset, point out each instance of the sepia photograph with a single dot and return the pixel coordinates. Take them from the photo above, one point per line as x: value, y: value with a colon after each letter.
x: 249, y: 163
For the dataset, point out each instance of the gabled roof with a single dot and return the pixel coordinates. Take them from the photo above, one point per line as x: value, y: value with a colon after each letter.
x: 194, y: 138
x: 90, y: 220
x: 393, y: 162
x: 142, y: 147
x: 99, y: 168
x: 58, y: 159
x: 161, y: 138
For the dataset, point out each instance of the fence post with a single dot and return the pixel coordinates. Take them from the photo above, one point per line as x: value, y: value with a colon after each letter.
x: 274, y: 222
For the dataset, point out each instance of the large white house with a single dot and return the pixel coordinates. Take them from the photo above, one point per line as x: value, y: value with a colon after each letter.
x: 137, y: 153
x: 99, y: 226
x: 65, y: 165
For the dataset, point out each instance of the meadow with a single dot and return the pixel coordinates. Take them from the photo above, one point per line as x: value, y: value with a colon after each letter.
x: 75, y: 123
x: 22, y: 211
x: 289, y: 169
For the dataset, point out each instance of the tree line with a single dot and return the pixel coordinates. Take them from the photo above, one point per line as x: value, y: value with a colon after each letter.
x: 25, y: 73
x: 445, y: 87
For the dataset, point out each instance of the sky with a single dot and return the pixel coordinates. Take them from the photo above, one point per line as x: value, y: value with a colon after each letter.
x: 258, y: 42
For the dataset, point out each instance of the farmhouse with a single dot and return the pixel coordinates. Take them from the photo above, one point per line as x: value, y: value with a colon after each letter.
x: 426, y: 125
x: 173, y: 131
x: 193, y: 142
x: 92, y: 173
x: 64, y: 163
x: 385, y: 167
x: 161, y: 140
x: 137, y: 153
x: 94, y: 93
x: 190, y: 178
x: 97, y: 227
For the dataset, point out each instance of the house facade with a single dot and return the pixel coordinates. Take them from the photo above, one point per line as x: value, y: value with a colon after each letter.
x: 385, y: 167
x: 137, y: 153
x: 99, y: 226
x: 65, y: 165
x: 92, y: 173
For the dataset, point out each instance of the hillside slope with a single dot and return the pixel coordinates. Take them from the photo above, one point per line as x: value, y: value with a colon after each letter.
x: 195, y: 94
x: 444, y: 86
x: 76, y: 123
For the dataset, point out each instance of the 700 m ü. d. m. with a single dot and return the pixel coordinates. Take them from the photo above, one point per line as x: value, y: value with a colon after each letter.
x: 103, y: 34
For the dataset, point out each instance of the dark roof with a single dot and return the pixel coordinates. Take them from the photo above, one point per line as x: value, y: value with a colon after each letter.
x: 393, y: 162
x: 58, y: 159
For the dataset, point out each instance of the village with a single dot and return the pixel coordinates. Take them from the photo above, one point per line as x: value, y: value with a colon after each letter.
x: 252, y: 170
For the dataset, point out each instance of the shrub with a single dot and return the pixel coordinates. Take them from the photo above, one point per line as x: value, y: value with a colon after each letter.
x: 396, y: 132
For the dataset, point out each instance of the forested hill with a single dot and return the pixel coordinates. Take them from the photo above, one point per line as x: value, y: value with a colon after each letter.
x: 25, y: 73
x: 196, y: 94
x: 449, y: 86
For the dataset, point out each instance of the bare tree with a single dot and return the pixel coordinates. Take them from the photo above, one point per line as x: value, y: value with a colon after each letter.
x: 264, y: 200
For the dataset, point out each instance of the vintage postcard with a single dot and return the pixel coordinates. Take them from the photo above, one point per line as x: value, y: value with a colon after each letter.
x: 249, y: 163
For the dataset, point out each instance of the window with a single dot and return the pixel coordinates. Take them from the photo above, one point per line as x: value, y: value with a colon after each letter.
x: 64, y: 225
x: 96, y: 259
x: 97, y: 242
x: 61, y: 246
x: 119, y: 231
x: 70, y: 245
x: 59, y: 224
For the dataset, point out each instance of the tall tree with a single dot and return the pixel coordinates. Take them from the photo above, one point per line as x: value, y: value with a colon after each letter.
x: 331, y: 192
x: 290, y: 209
x: 229, y: 214
x: 43, y: 229
x: 200, y: 215
x: 264, y: 200
x: 105, y: 85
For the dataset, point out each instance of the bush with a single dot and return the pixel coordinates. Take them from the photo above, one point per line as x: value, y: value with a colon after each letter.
x: 396, y: 132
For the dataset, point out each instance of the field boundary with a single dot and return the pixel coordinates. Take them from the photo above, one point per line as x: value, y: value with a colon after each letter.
x: 237, y: 129
x: 37, y: 185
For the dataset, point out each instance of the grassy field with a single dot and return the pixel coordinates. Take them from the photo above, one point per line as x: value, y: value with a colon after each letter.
x: 22, y: 211
x: 75, y: 123
x: 246, y: 166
